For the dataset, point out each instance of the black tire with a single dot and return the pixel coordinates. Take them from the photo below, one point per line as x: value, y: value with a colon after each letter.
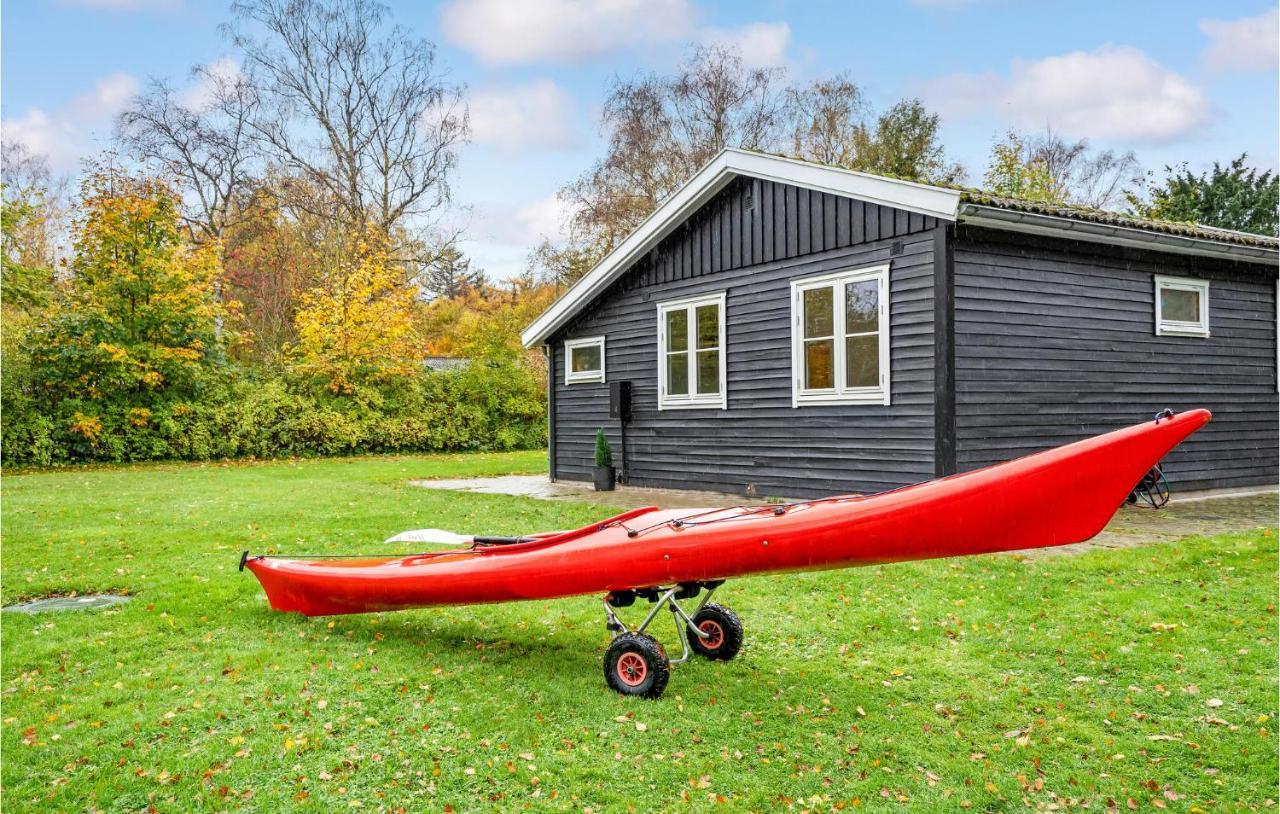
x: 726, y: 630
x: 635, y: 664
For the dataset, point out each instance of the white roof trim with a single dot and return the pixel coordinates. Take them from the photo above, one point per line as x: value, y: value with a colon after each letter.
x: 713, y: 177
x: 1053, y: 225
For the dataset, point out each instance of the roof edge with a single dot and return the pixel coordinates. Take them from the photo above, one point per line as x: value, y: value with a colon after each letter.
x: 729, y: 163
x: 1056, y: 226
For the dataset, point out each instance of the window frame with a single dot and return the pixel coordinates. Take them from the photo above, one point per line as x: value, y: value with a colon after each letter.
x: 587, y: 376
x: 1165, y: 327
x: 693, y: 400
x: 840, y: 393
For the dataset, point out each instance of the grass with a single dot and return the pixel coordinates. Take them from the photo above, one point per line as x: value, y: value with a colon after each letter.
x: 985, y: 683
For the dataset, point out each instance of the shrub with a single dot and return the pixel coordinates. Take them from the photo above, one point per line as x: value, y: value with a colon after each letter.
x: 484, y: 406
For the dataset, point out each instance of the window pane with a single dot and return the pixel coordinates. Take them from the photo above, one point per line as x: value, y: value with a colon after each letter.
x: 708, y: 326
x: 861, y: 307
x: 585, y: 359
x: 678, y: 330
x: 819, y: 364
x: 819, y: 312
x: 708, y: 371
x: 862, y: 361
x: 677, y: 374
x: 1179, y: 305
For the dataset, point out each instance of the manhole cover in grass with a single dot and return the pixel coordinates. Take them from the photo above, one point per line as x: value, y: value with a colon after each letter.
x: 67, y: 603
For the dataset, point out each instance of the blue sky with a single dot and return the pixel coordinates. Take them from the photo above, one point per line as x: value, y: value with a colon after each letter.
x: 1173, y: 82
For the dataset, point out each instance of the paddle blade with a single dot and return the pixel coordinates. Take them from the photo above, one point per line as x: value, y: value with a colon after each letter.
x: 431, y: 537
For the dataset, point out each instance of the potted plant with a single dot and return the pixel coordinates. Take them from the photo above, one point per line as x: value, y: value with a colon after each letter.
x: 604, y: 475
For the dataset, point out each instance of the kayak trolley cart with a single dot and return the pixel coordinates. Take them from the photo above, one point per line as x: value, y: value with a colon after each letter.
x: 636, y: 663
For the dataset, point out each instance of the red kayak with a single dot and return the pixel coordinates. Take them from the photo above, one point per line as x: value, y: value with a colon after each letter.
x: 1057, y: 497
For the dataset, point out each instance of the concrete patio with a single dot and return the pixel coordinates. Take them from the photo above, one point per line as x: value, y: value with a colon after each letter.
x: 1191, y: 514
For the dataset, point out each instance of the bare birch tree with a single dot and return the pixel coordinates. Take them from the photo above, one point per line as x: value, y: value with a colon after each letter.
x: 200, y: 139
x: 353, y: 104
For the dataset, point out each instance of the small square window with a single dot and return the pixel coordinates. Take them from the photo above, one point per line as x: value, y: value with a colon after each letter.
x: 584, y: 360
x: 1182, y: 306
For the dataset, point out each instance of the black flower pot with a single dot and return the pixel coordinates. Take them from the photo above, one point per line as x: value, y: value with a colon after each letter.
x: 604, y: 477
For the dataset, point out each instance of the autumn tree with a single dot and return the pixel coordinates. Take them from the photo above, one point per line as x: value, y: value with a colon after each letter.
x: 1014, y: 172
x: 271, y: 256
x: 903, y: 143
x: 1047, y: 167
x: 26, y: 233
x: 137, y: 326
x: 1232, y: 197
x: 826, y: 118
x: 358, y: 326
x: 661, y: 129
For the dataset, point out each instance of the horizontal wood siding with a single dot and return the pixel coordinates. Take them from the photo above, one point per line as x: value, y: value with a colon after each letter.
x: 750, y: 242
x: 1055, y: 341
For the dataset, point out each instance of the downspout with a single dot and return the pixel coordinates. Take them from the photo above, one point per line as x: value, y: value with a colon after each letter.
x: 550, y: 354
x: 944, y: 350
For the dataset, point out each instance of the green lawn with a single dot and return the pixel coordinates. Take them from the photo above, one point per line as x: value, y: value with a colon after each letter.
x: 987, y: 683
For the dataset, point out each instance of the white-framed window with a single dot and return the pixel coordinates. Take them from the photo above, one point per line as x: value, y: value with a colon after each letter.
x: 584, y: 360
x: 1182, y: 306
x: 691, y: 353
x: 840, y: 338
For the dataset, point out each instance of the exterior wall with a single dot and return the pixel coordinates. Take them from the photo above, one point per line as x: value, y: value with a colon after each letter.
x: 1055, y: 341
x: 760, y: 444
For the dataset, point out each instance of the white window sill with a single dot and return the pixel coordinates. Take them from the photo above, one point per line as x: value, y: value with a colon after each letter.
x: 877, y: 398
x: 1180, y: 330
x: 594, y: 378
x: 718, y: 403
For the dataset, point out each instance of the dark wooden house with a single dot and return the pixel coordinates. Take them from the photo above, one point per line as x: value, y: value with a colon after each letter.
x: 795, y: 329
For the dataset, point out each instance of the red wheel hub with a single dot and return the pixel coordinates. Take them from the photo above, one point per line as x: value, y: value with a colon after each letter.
x: 631, y: 669
x: 715, y: 634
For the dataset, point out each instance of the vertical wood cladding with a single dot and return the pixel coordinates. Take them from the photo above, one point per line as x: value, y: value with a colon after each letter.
x: 1055, y: 341
x: 750, y: 241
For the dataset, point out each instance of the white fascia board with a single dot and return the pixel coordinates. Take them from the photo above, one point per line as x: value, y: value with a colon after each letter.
x: 922, y: 199
x: 713, y: 177
x: 1054, y: 226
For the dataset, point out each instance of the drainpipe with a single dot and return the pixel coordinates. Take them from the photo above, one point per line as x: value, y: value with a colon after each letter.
x: 549, y: 353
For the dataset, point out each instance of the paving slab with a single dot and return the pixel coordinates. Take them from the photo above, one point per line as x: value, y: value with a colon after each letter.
x: 1193, y: 514
x: 624, y: 497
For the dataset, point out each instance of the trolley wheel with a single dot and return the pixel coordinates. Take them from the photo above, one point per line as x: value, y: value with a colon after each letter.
x: 723, y: 629
x: 636, y: 664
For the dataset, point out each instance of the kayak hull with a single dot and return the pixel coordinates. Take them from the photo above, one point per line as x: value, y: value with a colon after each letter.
x: 1061, y: 496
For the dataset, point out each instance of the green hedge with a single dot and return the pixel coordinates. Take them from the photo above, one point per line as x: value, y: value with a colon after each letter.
x: 485, y: 406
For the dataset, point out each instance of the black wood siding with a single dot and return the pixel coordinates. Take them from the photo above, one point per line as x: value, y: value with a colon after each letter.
x: 751, y: 241
x: 1055, y: 341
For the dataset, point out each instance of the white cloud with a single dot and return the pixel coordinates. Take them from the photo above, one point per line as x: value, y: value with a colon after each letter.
x: 64, y: 135
x: 762, y: 45
x: 538, y: 115
x: 524, y: 225
x: 564, y: 31
x: 1114, y: 92
x: 224, y: 72
x: 1248, y: 44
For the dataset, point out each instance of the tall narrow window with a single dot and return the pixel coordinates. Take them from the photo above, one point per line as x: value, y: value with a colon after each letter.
x: 691, y: 353
x: 1182, y: 306
x: 840, y: 338
x: 584, y: 360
